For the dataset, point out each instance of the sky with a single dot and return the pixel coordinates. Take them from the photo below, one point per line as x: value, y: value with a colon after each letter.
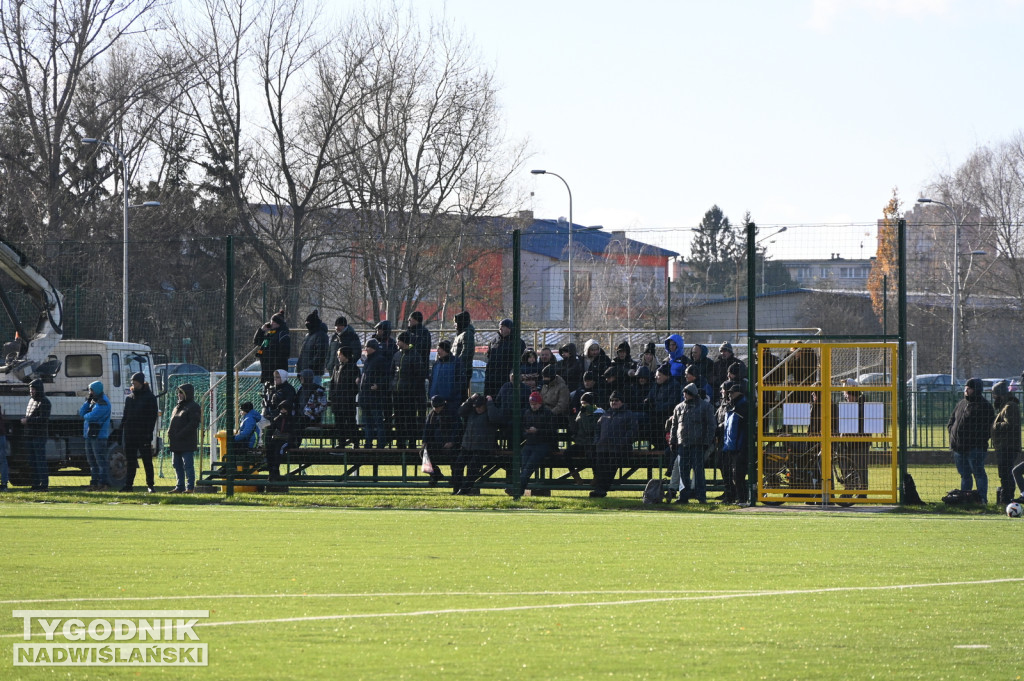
x: 803, y: 112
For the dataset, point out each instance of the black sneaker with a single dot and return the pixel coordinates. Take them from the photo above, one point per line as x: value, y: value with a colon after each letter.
x: 598, y: 494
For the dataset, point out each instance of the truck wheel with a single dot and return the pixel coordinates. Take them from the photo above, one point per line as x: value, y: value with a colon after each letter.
x: 117, y: 467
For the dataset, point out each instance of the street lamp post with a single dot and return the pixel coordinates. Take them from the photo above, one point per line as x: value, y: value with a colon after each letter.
x: 764, y: 263
x: 124, y: 263
x: 956, y: 287
x: 545, y: 172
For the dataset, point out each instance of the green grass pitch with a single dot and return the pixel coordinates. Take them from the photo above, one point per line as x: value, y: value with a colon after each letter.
x: 315, y: 593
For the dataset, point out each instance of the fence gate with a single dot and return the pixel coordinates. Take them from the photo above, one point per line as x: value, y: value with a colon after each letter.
x: 827, y: 430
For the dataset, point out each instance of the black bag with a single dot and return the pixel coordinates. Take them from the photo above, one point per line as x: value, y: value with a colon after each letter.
x: 957, y: 497
x: 910, y: 495
x: 94, y: 429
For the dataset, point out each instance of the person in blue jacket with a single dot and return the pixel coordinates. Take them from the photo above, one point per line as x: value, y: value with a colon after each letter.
x: 248, y: 434
x: 734, y: 444
x: 676, y: 357
x: 95, y: 413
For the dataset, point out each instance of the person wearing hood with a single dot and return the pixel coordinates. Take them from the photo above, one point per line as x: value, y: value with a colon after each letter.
x: 662, y: 398
x: 279, y: 409
x: 274, y: 343
x: 616, y: 431
x: 344, y: 336
x: 248, y: 434
x: 502, y: 355
x: 701, y: 364
x: 570, y: 366
x: 1006, y: 438
x: 637, y: 391
x: 479, y: 440
x: 970, y: 426
x: 464, y: 347
x: 313, y: 354
x: 183, y: 437
x: 421, y: 340
x: 35, y: 430
x: 95, y: 413
x: 344, y: 387
x: 409, y: 396
x: 595, y: 359
x: 137, y: 425
x: 387, y: 347
x: 375, y: 392
x: 623, y: 365
x: 676, y: 357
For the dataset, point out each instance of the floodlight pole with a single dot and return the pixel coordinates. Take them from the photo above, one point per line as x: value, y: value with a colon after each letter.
x: 548, y: 172
x: 124, y: 258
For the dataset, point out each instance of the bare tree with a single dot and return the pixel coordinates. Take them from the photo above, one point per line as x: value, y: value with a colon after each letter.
x: 47, y: 48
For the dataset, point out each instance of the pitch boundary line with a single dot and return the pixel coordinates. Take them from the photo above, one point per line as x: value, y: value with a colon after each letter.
x: 638, y: 601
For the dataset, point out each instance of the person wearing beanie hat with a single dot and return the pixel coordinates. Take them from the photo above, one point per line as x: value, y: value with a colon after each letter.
x: 583, y: 429
x: 616, y: 431
x: 464, y: 347
x: 183, y: 435
x: 556, y: 395
x: 970, y: 426
x: 248, y: 433
x: 342, y: 391
x: 479, y: 440
x: 734, y: 446
x: 623, y: 366
x: 313, y: 354
x: 35, y: 430
x: 662, y: 398
x: 279, y: 406
x: 440, y: 436
x: 1006, y: 439
x: 274, y: 343
x: 343, y: 336
x: 388, y: 347
x: 421, y: 339
x: 719, y: 372
x: 375, y: 392
x: 691, y: 430
x: 539, y: 429
x: 570, y: 366
x: 408, y: 402
x: 137, y: 427
x: 648, y: 358
x: 95, y: 413
x: 503, y: 353
x: 310, y: 404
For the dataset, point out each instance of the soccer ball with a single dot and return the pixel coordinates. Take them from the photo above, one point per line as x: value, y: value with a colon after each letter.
x: 1015, y: 510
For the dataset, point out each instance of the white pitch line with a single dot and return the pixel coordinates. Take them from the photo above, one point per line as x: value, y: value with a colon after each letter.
x: 552, y: 606
x: 395, y: 594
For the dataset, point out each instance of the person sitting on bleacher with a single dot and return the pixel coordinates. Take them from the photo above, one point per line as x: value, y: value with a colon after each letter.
x: 310, y: 404
x: 479, y: 440
x: 615, y: 436
x: 556, y: 395
x: 662, y: 398
x: 248, y: 434
x: 441, y: 433
x: 538, y: 438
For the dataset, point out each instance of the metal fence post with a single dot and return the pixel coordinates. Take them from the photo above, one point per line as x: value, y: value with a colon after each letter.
x: 229, y: 364
x: 901, y: 304
x: 517, y: 330
x: 753, y: 406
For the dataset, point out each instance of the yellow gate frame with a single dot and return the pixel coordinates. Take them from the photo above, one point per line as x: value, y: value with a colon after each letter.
x: 777, y: 451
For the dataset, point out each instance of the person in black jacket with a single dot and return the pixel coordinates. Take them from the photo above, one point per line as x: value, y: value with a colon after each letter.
x: 313, y: 354
x: 1006, y: 437
x: 375, y: 393
x: 616, y: 431
x: 183, y: 438
x: 36, y: 429
x: 970, y: 426
x: 502, y: 355
x: 275, y: 346
x: 137, y: 425
x: 344, y: 336
x: 421, y: 340
x: 344, y: 387
x: 279, y: 409
x: 479, y: 440
x: 409, y: 396
x: 538, y: 438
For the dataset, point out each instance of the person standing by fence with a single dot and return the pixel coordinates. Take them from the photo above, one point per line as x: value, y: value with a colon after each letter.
x: 1006, y: 438
x: 137, y: 425
x: 95, y: 413
x: 36, y: 429
x: 183, y: 438
x: 970, y: 426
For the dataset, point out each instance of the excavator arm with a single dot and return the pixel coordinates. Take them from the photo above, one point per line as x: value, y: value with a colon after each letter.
x: 22, y: 358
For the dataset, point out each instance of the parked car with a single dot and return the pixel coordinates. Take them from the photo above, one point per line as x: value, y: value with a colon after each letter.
x: 873, y: 379
x: 934, y: 383
x: 162, y: 371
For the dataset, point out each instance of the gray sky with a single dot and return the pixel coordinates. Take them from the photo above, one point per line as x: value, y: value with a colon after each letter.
x: 800, y: 111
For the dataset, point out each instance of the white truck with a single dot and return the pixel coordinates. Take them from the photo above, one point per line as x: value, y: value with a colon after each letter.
x: 66, y: 367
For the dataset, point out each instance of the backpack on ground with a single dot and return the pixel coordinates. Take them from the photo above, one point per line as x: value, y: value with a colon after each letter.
x: 654, y: 492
